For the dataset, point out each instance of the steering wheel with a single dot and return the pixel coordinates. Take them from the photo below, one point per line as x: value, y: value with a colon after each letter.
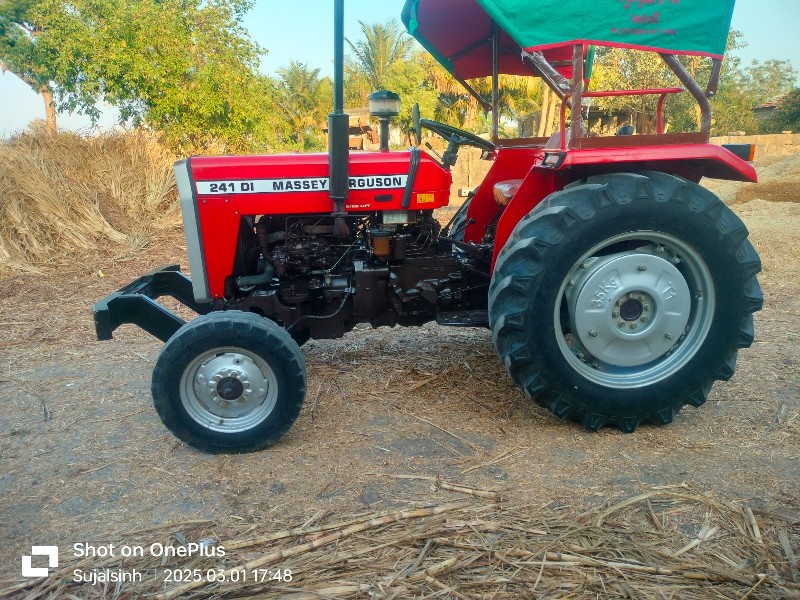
x: 456, y: 136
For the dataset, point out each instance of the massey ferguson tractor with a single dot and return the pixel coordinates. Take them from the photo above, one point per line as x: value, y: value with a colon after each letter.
x: 617, y: 290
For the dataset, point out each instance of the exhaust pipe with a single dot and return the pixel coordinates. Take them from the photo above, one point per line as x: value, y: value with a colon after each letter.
x: 338, y: 123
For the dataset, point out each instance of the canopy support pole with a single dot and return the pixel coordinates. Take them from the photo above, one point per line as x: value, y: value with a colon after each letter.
x: 495, y: 81
x: 555, y: 80
x: 694, y: 89
x: 576, y: 112
x: 713, y: 82
x: 481, y: 100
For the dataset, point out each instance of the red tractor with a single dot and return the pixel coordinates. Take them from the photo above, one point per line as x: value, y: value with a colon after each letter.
x: 616, y: 288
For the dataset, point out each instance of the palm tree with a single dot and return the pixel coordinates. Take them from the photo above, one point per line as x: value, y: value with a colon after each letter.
x: 519, y: 97
x: 302, y: 100
x: 382, y: 46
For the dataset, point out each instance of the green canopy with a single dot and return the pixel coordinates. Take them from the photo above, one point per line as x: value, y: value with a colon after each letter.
x: 457, y: 32
x: 675, y: 26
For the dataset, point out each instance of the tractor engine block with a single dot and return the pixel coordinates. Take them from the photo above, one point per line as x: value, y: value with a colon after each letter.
x: 302, y: 255
x: 323, y: 277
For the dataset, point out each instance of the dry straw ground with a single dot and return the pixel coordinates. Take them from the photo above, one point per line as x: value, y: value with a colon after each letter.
x: 416, y: 469
x: 667, y: 543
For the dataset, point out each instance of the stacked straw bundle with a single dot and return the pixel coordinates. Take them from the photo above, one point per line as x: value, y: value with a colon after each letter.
x: 63, y: 196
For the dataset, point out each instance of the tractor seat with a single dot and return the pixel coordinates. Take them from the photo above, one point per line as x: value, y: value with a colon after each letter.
x: 505, y: 190
x: 554, y: 141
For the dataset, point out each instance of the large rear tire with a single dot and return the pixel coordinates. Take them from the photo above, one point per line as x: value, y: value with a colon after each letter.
x: 229, y: 382
x: 622, y: 298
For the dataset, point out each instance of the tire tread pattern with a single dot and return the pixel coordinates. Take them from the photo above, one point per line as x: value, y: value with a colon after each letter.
x: 538, y: 236
x: 223, y: 325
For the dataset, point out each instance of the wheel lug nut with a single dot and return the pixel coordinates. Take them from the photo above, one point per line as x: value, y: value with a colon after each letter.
x: 646, y: 307
x: 644, y: 319
x: 615, y: 314
x: 633, y: 326
x: 642, y: 267
x: 592, y: 333
x: 621, y: 323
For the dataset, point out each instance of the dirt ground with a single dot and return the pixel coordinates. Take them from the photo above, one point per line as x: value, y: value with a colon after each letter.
x: 84, y: 457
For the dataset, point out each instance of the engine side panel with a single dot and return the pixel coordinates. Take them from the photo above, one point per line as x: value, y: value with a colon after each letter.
x: 227, y: 188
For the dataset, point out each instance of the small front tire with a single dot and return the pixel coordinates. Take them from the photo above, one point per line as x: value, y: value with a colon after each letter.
x: 229, y: 382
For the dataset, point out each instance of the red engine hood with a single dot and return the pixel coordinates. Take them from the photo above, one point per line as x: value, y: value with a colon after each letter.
x: 298, y: 183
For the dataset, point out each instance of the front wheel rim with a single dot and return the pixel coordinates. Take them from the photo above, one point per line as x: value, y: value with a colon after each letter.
x: 228, y: 390
x: 634, y: 309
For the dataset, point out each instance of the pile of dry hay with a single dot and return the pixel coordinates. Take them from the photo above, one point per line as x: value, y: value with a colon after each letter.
x: 65, y: 195
x: 669, y: 542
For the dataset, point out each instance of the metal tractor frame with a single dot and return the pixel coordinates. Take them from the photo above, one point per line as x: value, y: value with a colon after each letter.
x: 616, y: 288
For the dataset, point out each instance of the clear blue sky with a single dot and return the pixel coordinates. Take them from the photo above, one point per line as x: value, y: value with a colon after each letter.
x: 302, y: 30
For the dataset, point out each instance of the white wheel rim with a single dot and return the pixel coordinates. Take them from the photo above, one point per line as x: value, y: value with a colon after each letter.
x: 636, y: 316
x: 228, y: 390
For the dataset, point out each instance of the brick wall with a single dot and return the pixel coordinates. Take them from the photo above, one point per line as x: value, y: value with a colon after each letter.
x: 781, y: 144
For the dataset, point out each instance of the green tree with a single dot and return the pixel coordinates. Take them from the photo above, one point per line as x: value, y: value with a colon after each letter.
x: 408, y: 79
x: 386, y: 58
x: 740, y: 88
x: 753, y: 86
x: 619, y: 69
x: 303, y: 101
x: 383, y: 44
x: 185, y: 68
x: 787, y: 115
x: 20, y: 53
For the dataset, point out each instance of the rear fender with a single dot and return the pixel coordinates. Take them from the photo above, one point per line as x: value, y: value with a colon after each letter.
x: 510, y: 163
x: 691, y: 161
x: 537, y: 185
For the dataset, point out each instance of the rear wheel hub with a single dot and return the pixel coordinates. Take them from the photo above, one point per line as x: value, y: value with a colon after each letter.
x: 631, y: 310
x: 635, y: 317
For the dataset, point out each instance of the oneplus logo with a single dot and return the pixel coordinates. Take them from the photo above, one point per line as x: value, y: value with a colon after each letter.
x: 51, y: 552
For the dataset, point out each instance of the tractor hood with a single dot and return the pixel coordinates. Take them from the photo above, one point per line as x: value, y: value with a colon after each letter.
x: 458, y: 32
